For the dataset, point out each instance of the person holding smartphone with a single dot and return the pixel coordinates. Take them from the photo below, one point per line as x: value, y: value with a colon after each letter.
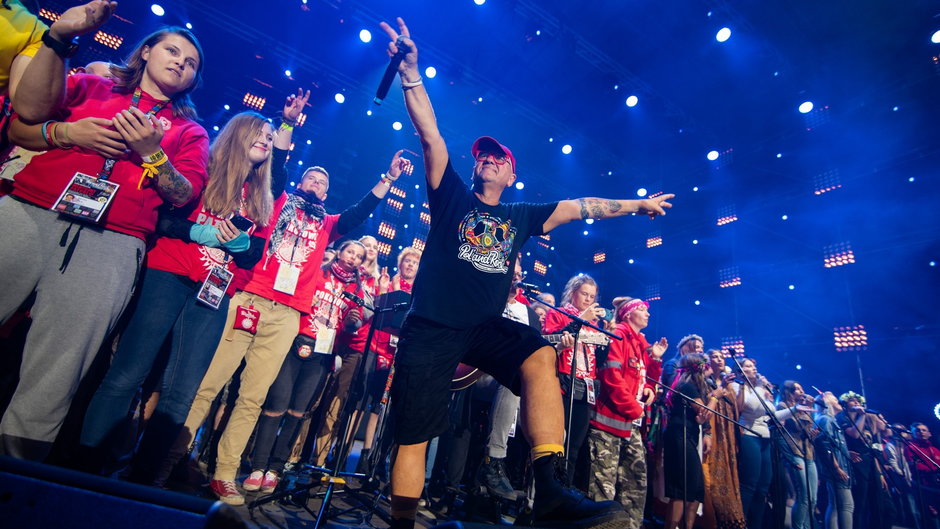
x: 186, y: 289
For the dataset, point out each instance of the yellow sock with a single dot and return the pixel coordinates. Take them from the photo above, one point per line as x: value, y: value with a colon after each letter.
x: 546, y: 449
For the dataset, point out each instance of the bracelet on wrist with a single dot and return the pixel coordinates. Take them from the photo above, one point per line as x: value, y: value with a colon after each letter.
x: 411, y: 84
x: 155, y: 159
x: 45, y: 133
x: 150, y: 168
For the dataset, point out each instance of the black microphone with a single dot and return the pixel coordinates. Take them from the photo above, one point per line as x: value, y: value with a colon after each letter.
x: 354, y: 298
x: 390, y: 71
x: 530, y: 287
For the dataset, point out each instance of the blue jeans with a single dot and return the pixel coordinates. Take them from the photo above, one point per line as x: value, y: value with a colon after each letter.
x: 805, y: 504
x: 841, y: 507
x: 167, y: 304
x: 754, y: 472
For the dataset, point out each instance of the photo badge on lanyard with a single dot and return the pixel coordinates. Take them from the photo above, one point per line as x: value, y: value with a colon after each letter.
x: 589, y: 386
x: 214, y: 287
x: 86, y: 197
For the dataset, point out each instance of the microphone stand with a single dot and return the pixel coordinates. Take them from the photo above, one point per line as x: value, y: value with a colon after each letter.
x: 690, y: 399
x: 777, y: 428
x: 528, y: 292
x: 918, y: 455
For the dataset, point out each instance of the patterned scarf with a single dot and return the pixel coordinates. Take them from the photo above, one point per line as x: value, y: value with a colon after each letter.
x: 296, y: 200
x: 346, y: 276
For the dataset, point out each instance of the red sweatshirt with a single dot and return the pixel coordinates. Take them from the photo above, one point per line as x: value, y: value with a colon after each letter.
x: 132, y: 211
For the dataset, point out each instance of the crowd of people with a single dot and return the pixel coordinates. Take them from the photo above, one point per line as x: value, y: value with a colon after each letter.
x: 230, y: 303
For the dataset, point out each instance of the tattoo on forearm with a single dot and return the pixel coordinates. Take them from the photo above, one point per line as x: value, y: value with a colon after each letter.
x: 171, y: 185
x: 596, y: 208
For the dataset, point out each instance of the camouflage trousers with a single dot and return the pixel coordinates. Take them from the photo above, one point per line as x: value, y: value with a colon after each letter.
x: 618, y: 472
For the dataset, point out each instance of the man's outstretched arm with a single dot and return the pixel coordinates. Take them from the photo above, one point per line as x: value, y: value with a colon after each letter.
x: 418, y: 104
x: 602, y: 208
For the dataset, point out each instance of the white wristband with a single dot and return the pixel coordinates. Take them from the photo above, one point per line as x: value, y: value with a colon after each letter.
x: 406, y: 84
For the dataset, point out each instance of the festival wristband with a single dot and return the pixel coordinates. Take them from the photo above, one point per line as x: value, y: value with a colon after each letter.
x: 150, y: 167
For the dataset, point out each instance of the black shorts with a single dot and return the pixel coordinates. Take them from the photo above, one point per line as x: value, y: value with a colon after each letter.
x: 428, y: 354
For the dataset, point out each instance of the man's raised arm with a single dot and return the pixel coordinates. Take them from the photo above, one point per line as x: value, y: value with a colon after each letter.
x: 602, y: 208
x: 418, y: 103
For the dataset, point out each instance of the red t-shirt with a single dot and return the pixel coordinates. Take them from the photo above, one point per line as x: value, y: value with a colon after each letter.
x: 587, y: 363
x: 132, y: 211
x: 302, y: 247
x: 189, y: 259
x: 329, y: 307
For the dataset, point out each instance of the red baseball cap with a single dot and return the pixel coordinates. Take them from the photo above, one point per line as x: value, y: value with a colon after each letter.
x: 489, y: 144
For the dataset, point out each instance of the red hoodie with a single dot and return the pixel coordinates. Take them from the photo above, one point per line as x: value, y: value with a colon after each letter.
x: 132, y: 211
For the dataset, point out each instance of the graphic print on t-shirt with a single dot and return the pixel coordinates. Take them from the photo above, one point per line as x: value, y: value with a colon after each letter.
x: 486, y: 242
x: 298, y: 243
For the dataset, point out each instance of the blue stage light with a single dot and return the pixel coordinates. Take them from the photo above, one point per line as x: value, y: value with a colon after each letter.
x: 396, y: 125
x: 368, y: 112
x: 641, y: 192
x: 430, y: 72
x: 226, y: 107
x: 566, y: 149
x: 630, y: 261
x: 695, y: 188
x: 287, y: 73
x: 697, y: 302
x: 520, y: 185
x: 157, y: 9
x: 694, y: 241
x: 723, y: 34
x: 340, y: 98
x: 479, y: 2
x: 365, y: 35
x: 632, y: 101
x: 189, y: 26
x: 935, y: 38
x: 806, y: 107
x: 585, y: 232
x: 936, y: 411
x: 215, y: 128
x: 712, y: 155
x: 589, y: 221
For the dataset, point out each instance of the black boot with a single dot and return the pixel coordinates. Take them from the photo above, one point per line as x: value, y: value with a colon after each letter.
x: 557, y: 505
x: 492, y: 475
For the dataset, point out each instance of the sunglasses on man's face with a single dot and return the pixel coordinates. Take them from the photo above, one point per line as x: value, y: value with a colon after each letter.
x: 499, y: 159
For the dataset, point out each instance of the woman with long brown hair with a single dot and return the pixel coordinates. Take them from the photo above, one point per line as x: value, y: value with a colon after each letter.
x: 685, y: 480
x: 187, y: 285
x: 77, y: 222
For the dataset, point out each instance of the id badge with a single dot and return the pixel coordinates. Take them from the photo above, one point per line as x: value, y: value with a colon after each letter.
x: 589, y: 382
x: 515, y: 420
x: 325, y: 339
x: 286, y: 280
x: 86, y: 197
x: 214, y: 287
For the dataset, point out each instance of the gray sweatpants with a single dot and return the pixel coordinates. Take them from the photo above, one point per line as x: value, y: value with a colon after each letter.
x: 79, y: 297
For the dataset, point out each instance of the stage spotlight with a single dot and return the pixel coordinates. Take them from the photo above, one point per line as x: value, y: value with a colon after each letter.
x: 799, y: 367
x: 520, y: 185
x: 340, y: 98
x: 806, y: 107
x: 933, y: 263
x: 935, y: 38
x: 632, y: 101
x: 641, y: 192
x: 189, y: 26
x: 430, y: 72
x: 911, y: 179
x: 479, y: 100
x: 365, y: 35
x: 300, y: 162
x: 585, y: 232
x: 589, y: 221
x: 309, y: 142
x: 695, y: 188
x: 630, y: 261
x: 792, y: 287
x: 157, y: 9
x: 396, y: 125
x: 779, y: 155
x: 697, y: 302
x: 216, y: 128
x: 550, y: 140
x: 784, y: 217
x: 723, y: 34
x: 287, y: 73
x: 694, y: 241
x: 368, y: 112
x: 712, y: 155
x: 479, y: 2
x: 226, y: 107
x: 566, y: 149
